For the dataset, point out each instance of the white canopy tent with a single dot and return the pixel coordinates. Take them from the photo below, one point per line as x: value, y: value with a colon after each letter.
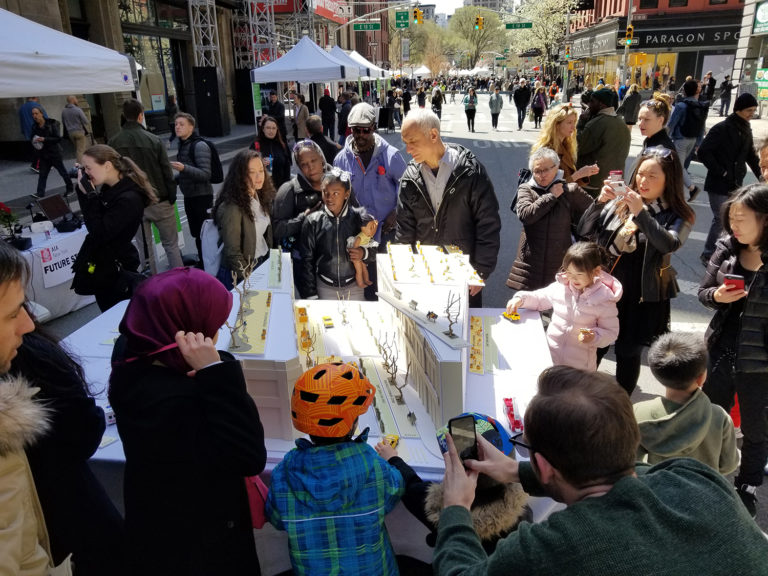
x: 422, y: 71
x: 375, y: 71
x: 39, y: 61
x: 338, y: 53
x: 305, y: 62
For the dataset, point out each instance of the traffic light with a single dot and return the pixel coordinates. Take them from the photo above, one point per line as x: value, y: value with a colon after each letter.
x: 421, y: 17
x: 629, y: 35
x: 482, y: 20
x: 477, y: 22
x: 415, y: 15
x: 567, y: 51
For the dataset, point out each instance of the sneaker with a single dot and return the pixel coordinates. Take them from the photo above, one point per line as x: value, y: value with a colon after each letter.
x: 693, y: 192
x: 35, y: 170
x: 36, y: 195
x: 704, y: 260
x: 748, y: 495
x: 68, y: 192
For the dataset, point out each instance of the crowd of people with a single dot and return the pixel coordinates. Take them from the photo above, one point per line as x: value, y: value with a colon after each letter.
x: 595, y: 249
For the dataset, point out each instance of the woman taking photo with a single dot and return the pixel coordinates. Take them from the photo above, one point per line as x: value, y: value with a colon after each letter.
x: 470, y: 108
x: 274, y: 151
x: 641, y: 225
x: 736, y: 287
x: 241, y: 213
x: 548, y: 207
x: 107, y: 262
x: 190, y: 431
x: 559, y: 134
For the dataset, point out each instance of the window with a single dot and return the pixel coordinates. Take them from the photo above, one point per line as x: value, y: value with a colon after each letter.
x: 678, y: 3
x: 715, y: 2
x: 645, y: 4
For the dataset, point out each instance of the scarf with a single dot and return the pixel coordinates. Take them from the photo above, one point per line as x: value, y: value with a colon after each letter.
x: 619, y: 232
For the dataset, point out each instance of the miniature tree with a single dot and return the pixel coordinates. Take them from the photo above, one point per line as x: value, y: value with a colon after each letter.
x: 343, y: 306
x: 400, y: 399
x: 452, y: 310
x: 392, y: 364
x: 239, y: 323
x: 308, y: 345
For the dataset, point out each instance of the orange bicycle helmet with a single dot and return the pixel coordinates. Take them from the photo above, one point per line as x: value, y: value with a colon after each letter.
x: 328, y: 398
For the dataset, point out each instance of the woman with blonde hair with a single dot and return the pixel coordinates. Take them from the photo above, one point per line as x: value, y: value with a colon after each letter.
x: 559, y: 134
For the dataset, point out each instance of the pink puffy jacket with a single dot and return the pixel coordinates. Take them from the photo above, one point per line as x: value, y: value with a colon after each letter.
x: 595, y: 308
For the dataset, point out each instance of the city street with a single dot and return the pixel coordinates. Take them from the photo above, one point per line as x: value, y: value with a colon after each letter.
x: 503, y: 153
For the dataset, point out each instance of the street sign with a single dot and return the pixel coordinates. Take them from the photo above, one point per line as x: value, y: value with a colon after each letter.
x: 345, y: 10
x: 402, y: 19
x: 518, y: 25
x: 500, y: 58
x: 363, y: 26
x: 622, y: 42
x: 373, y: 44
x: 506, y: 50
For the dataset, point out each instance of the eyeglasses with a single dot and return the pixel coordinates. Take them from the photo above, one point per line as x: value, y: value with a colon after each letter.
x: 542, y: 171
x: 522, y: 448
x: 360, y: 130
x: 657, y: 151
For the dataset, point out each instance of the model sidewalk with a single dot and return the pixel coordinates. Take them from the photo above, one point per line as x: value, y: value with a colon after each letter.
x: 18, y: 182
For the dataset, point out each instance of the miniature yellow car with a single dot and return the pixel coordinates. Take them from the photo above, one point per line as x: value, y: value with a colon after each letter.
x: 327, y: 322
x: 513, y: 317
x: 392, y: 439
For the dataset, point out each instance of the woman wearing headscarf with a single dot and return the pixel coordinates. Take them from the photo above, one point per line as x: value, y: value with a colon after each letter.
x: 190, y: 431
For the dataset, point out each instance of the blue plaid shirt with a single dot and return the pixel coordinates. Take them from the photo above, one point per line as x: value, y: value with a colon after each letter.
x: 332, y: 501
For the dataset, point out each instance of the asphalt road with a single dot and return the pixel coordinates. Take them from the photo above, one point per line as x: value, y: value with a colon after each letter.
x: 502, y: 153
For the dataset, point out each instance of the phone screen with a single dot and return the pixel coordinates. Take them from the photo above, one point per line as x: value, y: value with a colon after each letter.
x: 619, y: 187
x: 734, y: 280
x: 463, y: 433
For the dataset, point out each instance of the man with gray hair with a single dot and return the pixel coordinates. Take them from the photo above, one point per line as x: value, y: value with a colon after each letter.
x: 76, y: 125
x: 446, y: 197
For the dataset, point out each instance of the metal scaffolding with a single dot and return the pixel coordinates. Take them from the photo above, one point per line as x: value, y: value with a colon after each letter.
x: 205, y: 34
x: 254, y: 34
x: 302, y: 19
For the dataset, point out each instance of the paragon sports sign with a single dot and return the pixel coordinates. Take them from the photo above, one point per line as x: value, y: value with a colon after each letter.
x: 720, y: 36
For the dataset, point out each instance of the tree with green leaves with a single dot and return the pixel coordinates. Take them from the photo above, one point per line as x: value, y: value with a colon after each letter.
x: 491, y: 38
x: 548, y: 32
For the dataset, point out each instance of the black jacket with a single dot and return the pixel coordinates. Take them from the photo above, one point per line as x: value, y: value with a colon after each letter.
x: 277, y: 111
x: 662, y: 234
x: 293, y: 198
x: 752, y: 350
x: 51, y: 131
x: 323, y: 249
x: 189, y: 444
x: 522, y: 96
x: 726, y: 148
x: 327, y: 108
x: 468, y: 216
x: 112, y: 218
x: 343, y: 115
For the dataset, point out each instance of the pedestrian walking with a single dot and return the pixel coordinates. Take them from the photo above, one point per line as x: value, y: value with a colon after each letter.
x: 495, y: 103
x: 77, y: 126
x: 470, y: 108
x: 522, y: 97
x: 46, y: 139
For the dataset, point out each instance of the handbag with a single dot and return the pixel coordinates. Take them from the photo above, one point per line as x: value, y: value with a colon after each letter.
x: 530, y: 114
x: 257, y: 500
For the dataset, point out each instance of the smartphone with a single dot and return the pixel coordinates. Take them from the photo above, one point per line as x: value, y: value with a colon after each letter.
x: 619, y: 188
x: 734, y: 280
x: 462, y: 431
x: 85, y: 180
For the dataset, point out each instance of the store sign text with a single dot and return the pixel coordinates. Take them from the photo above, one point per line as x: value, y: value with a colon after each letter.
x: 653, y: 39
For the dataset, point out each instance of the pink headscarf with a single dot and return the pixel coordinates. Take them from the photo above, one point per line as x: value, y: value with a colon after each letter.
x: 185, y: 299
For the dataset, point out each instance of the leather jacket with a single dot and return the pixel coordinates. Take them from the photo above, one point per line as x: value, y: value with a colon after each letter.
x: 665, y: 232
x: 323, y: 249
x: 752, y: 348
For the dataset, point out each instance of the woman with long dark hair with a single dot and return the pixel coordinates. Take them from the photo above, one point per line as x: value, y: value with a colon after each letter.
x: 79, y: 515
x: 641, y: 225
x: 736, y: 287
x: 113, y: 192
x: 274, y: 150
x: 190, y: 431
x: 470, y: 108
x: 241, y: 212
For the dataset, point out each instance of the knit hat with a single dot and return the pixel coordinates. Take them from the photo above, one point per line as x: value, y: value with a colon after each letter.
x: 604, y: 95
x: 744, y: 101
x: 362, y: 114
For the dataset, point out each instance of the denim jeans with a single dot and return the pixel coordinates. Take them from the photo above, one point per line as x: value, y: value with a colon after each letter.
x: 521, y: 116
x: 716, y: 202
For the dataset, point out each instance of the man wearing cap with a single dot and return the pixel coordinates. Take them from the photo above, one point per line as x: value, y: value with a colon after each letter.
x: 376, y: 167
x: 726, y: 150
x: 604, y: 139
x: 328, y: 113
x: 446, y: 197
x: 725, y: 95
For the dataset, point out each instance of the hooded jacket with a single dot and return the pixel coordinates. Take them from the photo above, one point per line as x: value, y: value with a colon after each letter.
x: 374, y: 188
x: 323, y: 249
x: 23, y: 537
x: 752, y: 339
x: 333, y: 499
x: 546, y: 236
x: 696, y: 429
x: 594, y: 308
x: 725, y: 151
x: 468, y: 216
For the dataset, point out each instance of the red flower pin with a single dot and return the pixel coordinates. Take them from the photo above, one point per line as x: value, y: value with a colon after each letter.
x: 382, y: 171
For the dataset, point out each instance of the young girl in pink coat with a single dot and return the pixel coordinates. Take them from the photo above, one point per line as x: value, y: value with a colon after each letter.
x: 583, y: 301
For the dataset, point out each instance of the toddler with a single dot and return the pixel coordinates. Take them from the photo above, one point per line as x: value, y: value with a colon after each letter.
x: 583, y: 302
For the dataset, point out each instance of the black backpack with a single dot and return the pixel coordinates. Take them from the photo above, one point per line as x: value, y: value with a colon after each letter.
x: 693, y: 123
x: 217, y: 171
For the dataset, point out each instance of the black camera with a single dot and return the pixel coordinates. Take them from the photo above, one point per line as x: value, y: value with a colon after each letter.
x: 78, y: 173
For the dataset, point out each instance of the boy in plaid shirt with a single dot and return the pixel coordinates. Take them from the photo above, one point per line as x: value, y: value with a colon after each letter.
x: 331, y: 494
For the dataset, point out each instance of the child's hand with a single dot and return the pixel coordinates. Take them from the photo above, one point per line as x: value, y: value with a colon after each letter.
x: 384, y: 450
x: 514, y: 304
x: 586, y: 335
x: 355, y: 254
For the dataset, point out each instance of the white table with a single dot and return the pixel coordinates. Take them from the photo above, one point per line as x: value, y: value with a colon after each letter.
x: 50, y: 263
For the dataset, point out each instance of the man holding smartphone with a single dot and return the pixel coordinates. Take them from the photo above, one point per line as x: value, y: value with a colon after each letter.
x: 581, y: 438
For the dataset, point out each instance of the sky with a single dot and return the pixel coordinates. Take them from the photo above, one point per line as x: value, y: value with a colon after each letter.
x: 445, y: 6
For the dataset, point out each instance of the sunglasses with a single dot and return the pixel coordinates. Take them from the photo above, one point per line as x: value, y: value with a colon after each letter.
x: 521, y: 447
x: 657, y: 152
x: 359, y: 130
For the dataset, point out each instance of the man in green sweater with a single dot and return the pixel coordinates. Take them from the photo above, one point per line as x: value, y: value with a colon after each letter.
x: 678, y: 517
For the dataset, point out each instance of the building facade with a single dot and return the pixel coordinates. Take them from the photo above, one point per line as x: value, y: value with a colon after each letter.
x: 672, y: 39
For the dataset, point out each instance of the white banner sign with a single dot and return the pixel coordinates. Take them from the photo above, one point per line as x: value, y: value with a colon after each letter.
x: 56, y: 258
